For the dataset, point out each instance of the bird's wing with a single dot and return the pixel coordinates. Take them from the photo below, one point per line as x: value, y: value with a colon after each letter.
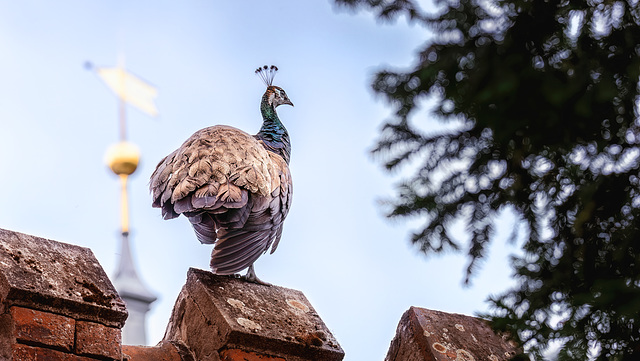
x: 215, y: 168
x: 282, y: 194
x: 234, y: 192
x: 238, y: 248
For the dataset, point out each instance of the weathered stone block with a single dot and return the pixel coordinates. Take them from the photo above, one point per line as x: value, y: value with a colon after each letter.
x: 94, y: 339
x: 56, y: 277
x: 216, y: 313
x: 438, y: 336
x: 43, y: 328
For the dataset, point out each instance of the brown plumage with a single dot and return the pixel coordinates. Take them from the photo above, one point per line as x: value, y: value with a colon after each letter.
x: 234, y: 188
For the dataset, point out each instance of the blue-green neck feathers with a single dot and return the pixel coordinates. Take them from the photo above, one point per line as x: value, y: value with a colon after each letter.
x: 273, y: 133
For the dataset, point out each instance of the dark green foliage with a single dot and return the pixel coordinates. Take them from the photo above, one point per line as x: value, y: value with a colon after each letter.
x: 546, y: 97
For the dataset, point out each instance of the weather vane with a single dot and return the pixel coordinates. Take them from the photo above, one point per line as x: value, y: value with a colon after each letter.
x: 123, y: 157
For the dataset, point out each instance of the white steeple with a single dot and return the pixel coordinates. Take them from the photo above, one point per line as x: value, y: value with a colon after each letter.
x: 136, y: 295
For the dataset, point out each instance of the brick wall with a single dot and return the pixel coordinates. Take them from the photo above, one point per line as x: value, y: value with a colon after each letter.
x: 57, y: 304
x: 41, y: 335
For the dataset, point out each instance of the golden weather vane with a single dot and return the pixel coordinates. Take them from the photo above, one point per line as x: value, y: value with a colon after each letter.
x: 123, y: 157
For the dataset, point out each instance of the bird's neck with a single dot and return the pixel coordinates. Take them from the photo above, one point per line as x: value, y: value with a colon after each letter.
x: 273, y: 133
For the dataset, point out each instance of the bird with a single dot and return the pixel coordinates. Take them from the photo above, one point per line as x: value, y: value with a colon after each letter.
x: 234, y: 188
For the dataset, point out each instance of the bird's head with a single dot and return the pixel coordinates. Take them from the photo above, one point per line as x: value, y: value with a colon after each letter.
x: 276, y: 96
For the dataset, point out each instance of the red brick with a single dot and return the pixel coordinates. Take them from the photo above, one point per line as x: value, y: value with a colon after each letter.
x: 235, y: 354
x: 43, y: 328
x: 94, y: 339
x: 162, y: 352
x: 31, y: 353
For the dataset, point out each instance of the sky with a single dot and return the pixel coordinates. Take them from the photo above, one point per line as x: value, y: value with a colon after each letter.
x: 357, y: 268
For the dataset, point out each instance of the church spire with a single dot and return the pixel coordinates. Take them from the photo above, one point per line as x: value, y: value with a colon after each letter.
x: 135, y: 294
x: 123, y: 159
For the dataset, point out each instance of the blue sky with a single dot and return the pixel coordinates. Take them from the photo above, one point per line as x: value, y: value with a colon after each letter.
x: 356, y: 267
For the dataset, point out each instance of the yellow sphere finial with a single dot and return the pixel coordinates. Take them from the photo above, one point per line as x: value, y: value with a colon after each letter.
x: 123, y: 158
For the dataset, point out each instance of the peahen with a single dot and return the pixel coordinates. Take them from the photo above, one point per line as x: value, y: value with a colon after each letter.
x: 234, y: 188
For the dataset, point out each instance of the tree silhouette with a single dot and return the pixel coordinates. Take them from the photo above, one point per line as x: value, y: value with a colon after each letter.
x: 545, y: 99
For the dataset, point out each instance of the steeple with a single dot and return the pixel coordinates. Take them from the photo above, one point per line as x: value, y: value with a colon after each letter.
x: 136, y: 295
x: 123, y: 158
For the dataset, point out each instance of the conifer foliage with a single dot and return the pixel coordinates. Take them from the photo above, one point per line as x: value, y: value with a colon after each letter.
x: 545, y: 96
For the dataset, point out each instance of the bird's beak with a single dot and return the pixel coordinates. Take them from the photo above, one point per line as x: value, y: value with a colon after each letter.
x: 288, y: 102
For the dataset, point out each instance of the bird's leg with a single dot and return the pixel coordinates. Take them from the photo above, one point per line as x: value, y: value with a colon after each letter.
x: 251, y: 277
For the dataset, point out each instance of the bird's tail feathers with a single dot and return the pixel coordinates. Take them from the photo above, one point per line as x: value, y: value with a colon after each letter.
x: 235, y: 253
x: 204, y: 227
x: 276, y: 241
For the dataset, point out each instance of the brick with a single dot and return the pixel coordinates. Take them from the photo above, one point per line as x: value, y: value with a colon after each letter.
x: 240, y: 355
x: 43, y: 328
x: 94, y: 339
x: 7, y: 338
x: 32, y: 353
x: 164, y: 351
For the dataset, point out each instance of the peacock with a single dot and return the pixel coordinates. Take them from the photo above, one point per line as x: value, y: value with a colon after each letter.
x: 233, y: 187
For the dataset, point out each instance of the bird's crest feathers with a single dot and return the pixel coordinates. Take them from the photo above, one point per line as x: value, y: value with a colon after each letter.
x: 267, y: 73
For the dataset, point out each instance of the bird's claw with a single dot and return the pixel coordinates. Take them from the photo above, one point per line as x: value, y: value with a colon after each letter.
x: 251, y: 277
